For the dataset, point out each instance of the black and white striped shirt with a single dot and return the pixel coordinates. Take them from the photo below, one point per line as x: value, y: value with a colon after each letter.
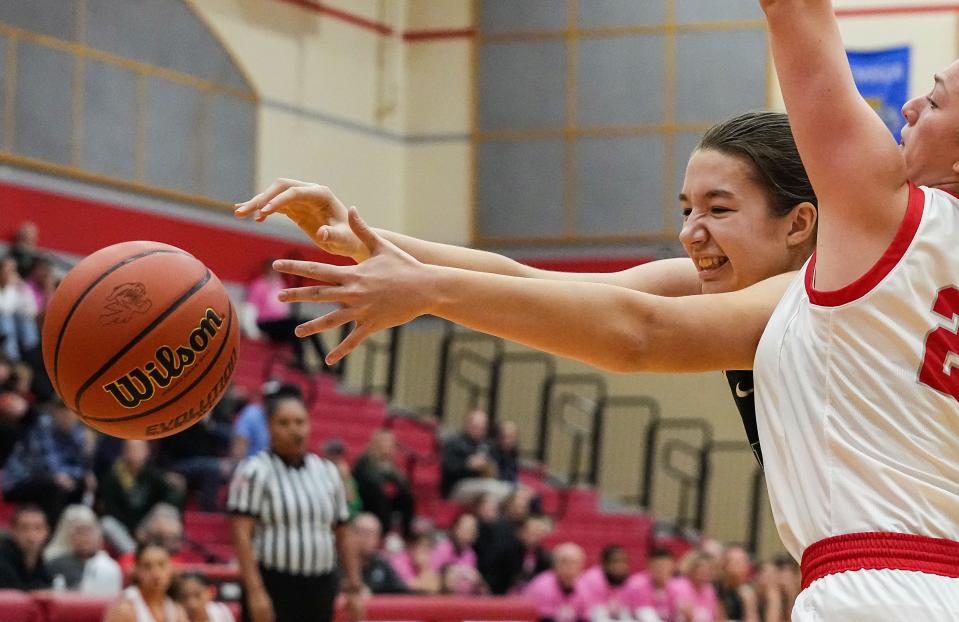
x: 296, y: 509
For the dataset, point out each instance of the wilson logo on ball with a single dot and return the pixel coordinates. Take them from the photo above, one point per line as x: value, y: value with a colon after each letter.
x: 140, y: 385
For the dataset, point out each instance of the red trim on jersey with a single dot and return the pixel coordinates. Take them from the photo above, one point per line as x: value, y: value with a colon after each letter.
x: 864, y: 284
x: 877, y: 551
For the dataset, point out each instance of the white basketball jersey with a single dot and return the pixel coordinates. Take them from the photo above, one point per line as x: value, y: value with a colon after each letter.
x: 857, y: 391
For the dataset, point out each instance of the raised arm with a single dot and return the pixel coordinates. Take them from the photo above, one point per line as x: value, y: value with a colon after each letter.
x: 855, y: 166
x: 610, y: 327
x: 322, y: 216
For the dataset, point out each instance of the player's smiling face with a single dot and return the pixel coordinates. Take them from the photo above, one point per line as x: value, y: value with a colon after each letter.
x: 729, y: 231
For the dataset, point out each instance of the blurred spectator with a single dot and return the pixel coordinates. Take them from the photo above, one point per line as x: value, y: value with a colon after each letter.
x: 197, y: 453
x: 335, y: 451
x: 789, y: 579
x: 458, y: 547
x: 76, y: 555
x: 129, y: 490
x: 21, y: 556
x: 48, y: 466
x: 163, y: 525
x: 148, y: 599
x: 195, y: 595
x: 468, y: 467
x: 769, y: 598
x: 604, y: 587
x: 276, y: 319
x: 18, y: 312
x: 695, y: 594
x: 23, y: 250
x: 383, y: 488
x: 378, y: 574
x: 736, y: 595
x: 41, y: 282
x: 554, y: 592
x: 17, y: 416
x: 506, y: 452
x: 462, y: 580
x: 517, y: 553
x: 251, y: 434
x: 652, y: 594
x: 414, y: 568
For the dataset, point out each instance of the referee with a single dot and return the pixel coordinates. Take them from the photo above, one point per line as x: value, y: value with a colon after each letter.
x: 288, y: 514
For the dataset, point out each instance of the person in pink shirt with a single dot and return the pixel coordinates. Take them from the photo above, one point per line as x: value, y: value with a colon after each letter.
x: 696, y: 598
x: 554, y: 593
x: 603, y: 587
x: 415, y: 568
x: 458, y: 548
x: 651, y: 595
x: 274, y: 318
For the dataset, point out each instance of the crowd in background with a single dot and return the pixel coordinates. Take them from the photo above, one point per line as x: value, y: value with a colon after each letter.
x: 115, y: 506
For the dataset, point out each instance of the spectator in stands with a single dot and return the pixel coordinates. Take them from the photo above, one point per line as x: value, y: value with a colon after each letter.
x: 17, y: 416
x: 462, y: 580
x: 605, y: 587
x: 335, y: 451
x: 251, y: 433
x: 554, y: 592
x: 21, y: 557
x: 23, y: 249
x: 378, y: 574
x: 506, y: 452
x: 468, y: 466
x: 164, y: 525
x: 198, y: 454
x: 18, y: 312
x: 75, y: 555
x: 195, y: 594
x: 414, y: 568
x: 518, y: 556
x: 383, y: 488
x: 736, y: 595
x: 148, y: 600
x: 40, y: 281
x: 769, y: 598
x: 695, y: 594
x: 458, y: 547
x: 789, y: 579
x: 275, y: 319
x: 133, y: 486
x: 292, y: 500
x: 49, y: 466
x: 652, y: 595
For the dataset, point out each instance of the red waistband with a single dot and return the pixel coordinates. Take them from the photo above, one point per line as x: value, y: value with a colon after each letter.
x: 879, y: 550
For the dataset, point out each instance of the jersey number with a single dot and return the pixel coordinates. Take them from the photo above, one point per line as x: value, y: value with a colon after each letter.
x: 940, y: 363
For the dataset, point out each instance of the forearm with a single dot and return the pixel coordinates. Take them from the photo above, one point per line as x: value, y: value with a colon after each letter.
x: 249, y: 571
x: 438, y: 254
x: 349, y: 559
x: 605, y: 326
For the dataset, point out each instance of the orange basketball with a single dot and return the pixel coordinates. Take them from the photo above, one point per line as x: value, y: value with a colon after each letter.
x: 141, y: 340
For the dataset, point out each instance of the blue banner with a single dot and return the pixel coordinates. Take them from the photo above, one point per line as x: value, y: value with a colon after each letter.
x: 882, y: 77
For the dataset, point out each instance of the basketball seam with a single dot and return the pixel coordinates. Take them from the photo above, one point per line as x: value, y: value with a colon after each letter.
x: 196, y: 381
x: 146, y: 331
x: 76, y: 304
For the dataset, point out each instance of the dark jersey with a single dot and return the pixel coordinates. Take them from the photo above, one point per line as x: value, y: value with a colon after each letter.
x: 741, y: 385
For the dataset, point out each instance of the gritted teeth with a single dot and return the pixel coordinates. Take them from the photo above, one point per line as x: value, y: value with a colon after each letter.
x: 708, y: 263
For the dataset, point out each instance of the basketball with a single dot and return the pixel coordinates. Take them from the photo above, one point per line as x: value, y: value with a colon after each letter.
x: 140, y: 340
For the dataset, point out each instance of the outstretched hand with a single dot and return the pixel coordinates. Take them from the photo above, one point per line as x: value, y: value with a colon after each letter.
x: 388, y: 289
x: 314, y: 208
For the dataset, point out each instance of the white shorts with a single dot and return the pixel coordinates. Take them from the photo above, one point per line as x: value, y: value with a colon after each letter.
x: 879, y: 596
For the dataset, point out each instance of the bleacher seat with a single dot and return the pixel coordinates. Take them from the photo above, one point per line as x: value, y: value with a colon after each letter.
x: 16, y: 606
x: 71, y: 607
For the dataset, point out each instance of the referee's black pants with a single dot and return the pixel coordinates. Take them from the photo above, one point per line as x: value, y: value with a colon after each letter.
x: 297, y: 598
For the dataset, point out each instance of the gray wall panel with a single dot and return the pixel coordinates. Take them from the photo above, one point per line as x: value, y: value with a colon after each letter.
x: 522, y: 85
x: 173, y: 133
x: 3, y: 90
x: 603, y: 13
x: 109, y: 119
x: 56, y: 18
x: 44, y: 108
x: 520, y: 188
x: 620, y: 81
x: 619, y: 184
x: 716, y: 10
x: 228, y: 158
x: 719, y: 74
x: 512, y: 16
